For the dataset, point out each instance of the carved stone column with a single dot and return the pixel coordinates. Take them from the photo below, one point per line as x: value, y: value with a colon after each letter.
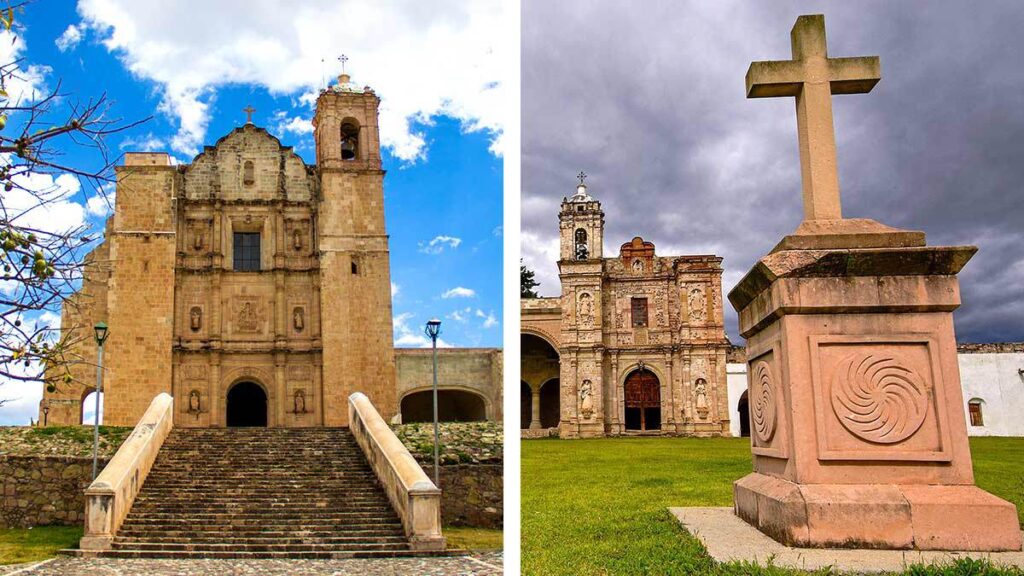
x: 280, y: 401
x: 535, y: 409
x: 216, y: 417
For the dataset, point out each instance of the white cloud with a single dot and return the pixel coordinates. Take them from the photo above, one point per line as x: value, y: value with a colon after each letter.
x: 438, y: 244
x: 459, y: 292
x: 285, y: 124
x: 147, y: 143
x: 58, y: 215
x: 423, y: 59
x: 490, y: 321
x: 394, y: 289
x: 70, y: 38
x: 26, y: 83
x: 498, y: 230
x: 411, y: 336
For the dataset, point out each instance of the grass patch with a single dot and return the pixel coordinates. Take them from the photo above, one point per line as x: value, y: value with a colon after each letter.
x: 473, y: 538
x: 19, y: 545
x: 599, y: 506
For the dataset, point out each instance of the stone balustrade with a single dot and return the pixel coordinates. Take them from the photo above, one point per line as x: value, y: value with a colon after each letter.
x: 415, y: 498
x: 110, y: 496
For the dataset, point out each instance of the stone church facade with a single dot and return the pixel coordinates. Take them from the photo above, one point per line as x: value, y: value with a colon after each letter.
x: 635, y: 344
x: 253, y: 288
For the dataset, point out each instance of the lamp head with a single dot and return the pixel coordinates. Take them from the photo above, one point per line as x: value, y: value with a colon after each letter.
x: 433, y: 328
x: 101, y: 332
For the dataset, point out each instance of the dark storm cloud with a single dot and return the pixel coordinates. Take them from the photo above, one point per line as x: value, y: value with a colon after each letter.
x: 648, y: 98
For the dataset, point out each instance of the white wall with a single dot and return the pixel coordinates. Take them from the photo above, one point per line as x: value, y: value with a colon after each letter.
x: 994, y: 379
x: 736, y: 380
x: 991, y: 377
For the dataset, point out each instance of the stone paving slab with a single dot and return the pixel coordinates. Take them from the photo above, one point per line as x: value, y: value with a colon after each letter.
x: 478, y: 564
x: 728, y: 538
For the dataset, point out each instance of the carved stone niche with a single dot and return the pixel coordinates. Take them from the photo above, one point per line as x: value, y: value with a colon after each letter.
x: 297, y: 239
x: 195, y: 318
x: 298, y: 319
x: 198, y: 236
x: 249, y: 314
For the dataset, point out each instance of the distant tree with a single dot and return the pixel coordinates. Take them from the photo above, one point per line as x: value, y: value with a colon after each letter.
x: 42, y: 266
x: 526, y: 282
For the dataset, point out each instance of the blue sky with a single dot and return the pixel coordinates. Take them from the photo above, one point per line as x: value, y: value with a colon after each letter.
x: 193, y: 73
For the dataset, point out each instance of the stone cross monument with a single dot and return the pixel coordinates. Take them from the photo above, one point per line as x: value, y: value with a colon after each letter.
x: 858, y: 430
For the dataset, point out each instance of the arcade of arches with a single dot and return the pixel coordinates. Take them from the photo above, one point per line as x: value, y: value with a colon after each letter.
x: 539, y: 390
x: 452, y: 406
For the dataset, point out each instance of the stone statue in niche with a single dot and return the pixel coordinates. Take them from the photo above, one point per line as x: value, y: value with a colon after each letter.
x: 248, y: 320
x: 701, y: 391
x: 197, y: 240
x: 298, y: 319
x: 587, y: 399
x: 300, y: 402
x: 194, y: 402
x: 585, y: 310
x: 638, y: 266
x: 196, y: 318
x: 297, y: 239
x: 698, y: 305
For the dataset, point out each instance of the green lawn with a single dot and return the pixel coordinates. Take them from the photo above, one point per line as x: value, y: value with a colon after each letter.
x: 599, y: 506
x: 473, y: 538
x: 39, y: 543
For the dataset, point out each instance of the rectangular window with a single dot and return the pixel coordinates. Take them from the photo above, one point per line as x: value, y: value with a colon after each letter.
x: 975, y: 410
x: 639, y: 312
x: 247, y: 251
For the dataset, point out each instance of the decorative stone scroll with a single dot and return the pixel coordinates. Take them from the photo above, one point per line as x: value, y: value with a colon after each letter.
x: 878, y: 398
x: 762, y: 402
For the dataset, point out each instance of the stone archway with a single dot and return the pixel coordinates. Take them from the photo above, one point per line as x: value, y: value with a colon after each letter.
x: 246, y: 405
x: 550, y: 409
x: 642, y: 392
x: 452, y: 406
x: 743, y: 407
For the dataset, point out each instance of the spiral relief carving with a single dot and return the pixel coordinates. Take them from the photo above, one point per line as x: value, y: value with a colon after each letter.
x: 762, y: 402
x: 877, y: 398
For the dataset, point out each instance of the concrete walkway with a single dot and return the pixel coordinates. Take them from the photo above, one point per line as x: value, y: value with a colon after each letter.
x: 728, y: 538
x: 479, y: 564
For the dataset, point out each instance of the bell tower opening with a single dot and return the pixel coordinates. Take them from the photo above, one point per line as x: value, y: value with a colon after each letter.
x: 582, y: 225
x: 247, y: 405
x: 349, y: 140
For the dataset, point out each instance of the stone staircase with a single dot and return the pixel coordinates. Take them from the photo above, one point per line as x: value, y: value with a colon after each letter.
x: 261, y: 493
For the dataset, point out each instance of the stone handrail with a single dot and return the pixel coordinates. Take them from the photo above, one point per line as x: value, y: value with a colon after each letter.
x: 416, y: 499
x: 110, y: 496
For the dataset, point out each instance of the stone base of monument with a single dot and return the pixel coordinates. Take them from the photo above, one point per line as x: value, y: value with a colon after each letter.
x: 883, y: 516
x: 728, y: 538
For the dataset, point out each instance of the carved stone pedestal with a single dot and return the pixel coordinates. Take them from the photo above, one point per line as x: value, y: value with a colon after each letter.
x: 857, y: 422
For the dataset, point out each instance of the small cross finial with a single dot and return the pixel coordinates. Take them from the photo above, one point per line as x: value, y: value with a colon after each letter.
x: 248, y: 113
x: 582, y: 176
x: 343, y: 58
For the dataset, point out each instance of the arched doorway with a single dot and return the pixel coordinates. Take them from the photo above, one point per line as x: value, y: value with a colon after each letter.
x: 744, y: 409
x: 643, y: 401
x: 550, y: 409
x: 525, y: 405
x: 452, y: 406
x: 247, y: 405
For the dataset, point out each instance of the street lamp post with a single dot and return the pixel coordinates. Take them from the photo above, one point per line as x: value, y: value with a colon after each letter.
x: 432, y: 330
x: 101, y: 337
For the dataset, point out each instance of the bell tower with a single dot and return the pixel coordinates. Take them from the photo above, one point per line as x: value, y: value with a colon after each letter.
x: 580, y: 270
x: 581, y: 225
x: 355, y: 274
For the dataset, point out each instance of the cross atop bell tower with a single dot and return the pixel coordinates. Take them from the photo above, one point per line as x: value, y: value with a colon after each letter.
x: 345, y: 125
x: 581, y: 225
x: 812, y: 77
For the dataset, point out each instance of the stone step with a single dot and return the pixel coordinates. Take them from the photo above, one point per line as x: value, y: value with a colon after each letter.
x: 126, y: 541
x: 258, y: 532
x: 247, y: 547
x: 248, y: 555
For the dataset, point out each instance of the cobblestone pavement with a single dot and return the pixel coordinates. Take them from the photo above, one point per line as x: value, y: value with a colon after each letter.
x: 479, y: 564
